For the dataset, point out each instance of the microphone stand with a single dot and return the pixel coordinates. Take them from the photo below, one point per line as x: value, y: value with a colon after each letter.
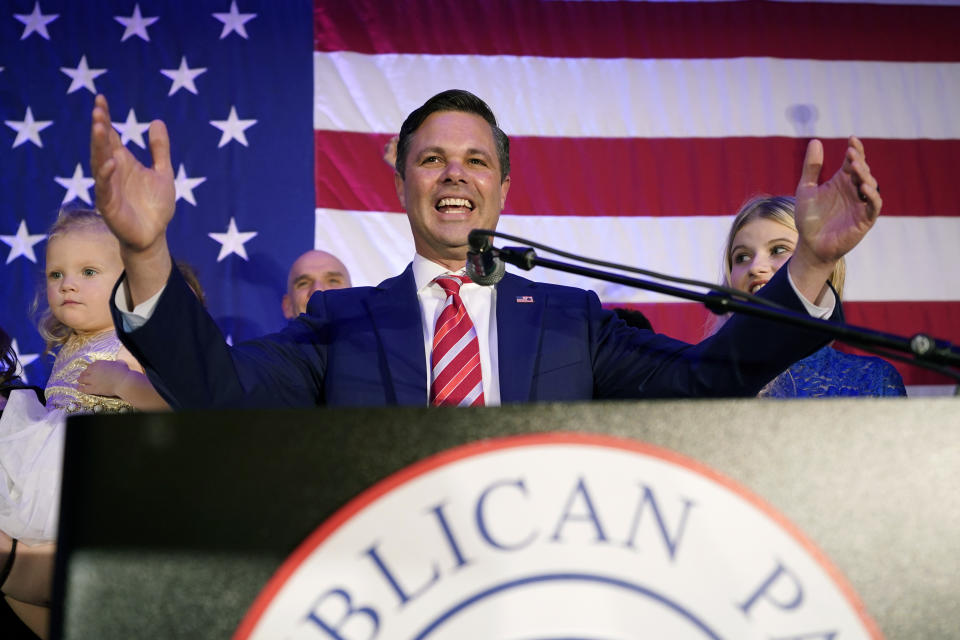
x: 921, y: 346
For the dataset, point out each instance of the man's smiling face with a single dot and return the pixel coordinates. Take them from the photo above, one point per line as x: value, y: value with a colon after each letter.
x: 451, y: 185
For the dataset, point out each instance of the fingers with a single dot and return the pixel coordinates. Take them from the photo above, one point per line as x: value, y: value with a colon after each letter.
x: 99, y: 137
x: 102, y: 123
x: 99, y: 376
x: 160, y: 147
x: 390, y: 151
x: 103, y: 186
x: 870, y: 196
x: 812, y: 164
x: 104, y: 142
x: 855, y: 165
x: 100, y: 101
x: 854, y: 141
x: 101, y: 110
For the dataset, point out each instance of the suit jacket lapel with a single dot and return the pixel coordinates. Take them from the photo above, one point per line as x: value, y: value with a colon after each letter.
x: 520, y: 305
x: 395, y: 312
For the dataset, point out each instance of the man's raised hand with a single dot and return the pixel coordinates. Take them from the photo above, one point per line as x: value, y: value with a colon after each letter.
x: 137, y: 202
x: 834, y: 216
x: 831, y: 217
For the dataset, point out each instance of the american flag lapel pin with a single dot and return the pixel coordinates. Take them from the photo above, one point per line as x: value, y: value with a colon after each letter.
x: 524, y: 298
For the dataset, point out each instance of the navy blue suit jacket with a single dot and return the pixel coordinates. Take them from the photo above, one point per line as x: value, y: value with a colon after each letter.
x: 364, y: 347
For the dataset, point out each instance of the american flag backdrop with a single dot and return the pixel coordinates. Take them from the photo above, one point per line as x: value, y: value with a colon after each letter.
x: 232, y: 80
x: 637, y: 129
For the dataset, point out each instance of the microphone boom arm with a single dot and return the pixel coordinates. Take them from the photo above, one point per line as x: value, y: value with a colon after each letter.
x: 921, y: 346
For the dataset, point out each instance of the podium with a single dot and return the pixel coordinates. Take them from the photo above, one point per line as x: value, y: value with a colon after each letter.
x: 171, y: 524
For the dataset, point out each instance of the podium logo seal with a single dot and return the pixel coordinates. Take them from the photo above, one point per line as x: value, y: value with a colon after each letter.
x: 560, y: 535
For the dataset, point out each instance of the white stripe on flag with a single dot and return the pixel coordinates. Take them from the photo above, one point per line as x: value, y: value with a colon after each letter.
x: 880, y: 269
x: 578, y: 97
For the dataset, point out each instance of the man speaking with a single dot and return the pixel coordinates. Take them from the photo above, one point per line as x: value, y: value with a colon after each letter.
x: 429, y: 335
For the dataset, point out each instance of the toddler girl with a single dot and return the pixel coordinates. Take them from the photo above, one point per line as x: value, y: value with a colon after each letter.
x: 92, y: 373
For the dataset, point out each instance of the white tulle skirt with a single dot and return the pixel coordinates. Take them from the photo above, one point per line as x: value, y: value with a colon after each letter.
x: 31, y: 459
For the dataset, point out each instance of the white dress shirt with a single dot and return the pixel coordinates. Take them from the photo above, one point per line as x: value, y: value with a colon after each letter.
x: 481, y: 305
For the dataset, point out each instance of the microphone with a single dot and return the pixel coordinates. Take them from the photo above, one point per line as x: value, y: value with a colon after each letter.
x: 484, y: 266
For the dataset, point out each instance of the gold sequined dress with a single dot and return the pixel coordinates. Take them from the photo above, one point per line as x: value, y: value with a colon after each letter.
x: 72, y: 359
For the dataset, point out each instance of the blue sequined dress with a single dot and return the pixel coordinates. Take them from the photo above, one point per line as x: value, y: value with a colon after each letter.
x: 829, y: 372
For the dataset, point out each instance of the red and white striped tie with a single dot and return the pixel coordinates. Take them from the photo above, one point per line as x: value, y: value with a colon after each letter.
x: 457, y: 379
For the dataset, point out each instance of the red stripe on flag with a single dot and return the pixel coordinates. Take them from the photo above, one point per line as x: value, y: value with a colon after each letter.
x: 939, y: 319
x: 818, y: 31
x: 651, y: 176
x: 350, y: 173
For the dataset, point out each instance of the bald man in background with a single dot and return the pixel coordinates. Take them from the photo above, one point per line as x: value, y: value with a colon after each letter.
x: 313, y: 271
